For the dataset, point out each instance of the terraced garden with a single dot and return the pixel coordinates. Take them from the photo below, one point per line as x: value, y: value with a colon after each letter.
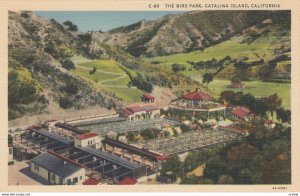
x: 109, y: 75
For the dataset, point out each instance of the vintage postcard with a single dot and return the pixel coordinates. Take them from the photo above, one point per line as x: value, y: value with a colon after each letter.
x: 158, y: 95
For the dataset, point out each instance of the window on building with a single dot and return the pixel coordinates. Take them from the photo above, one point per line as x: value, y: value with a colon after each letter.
x: 75, y: 180
x: 69, y: 182
x: 36, y: 167
x: 53, y: 177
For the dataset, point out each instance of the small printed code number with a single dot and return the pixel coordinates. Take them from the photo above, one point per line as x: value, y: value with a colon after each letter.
x: 15, y: 194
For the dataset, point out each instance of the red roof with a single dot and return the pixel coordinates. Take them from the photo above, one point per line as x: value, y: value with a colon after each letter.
x: 91, y: 181
x: 162, y: 157
x: 148, y: 96
x: 34, y: 127
x: 127, y: 181
x: 86, y: 135
x: 239, y: 113
x: 134, y: 109
x: 197, y: 96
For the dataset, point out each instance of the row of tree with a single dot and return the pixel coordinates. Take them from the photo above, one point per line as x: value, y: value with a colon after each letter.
x: 261, y: 106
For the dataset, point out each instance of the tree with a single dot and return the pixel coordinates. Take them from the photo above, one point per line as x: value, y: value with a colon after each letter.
x: 147, y: 134
x: 65, y: 103
x: 172, y: 165
x: 228, y: 96
x: 273, y: 102
x: 67, y: 64
x: 131, y: 136
x: 235, y: 80
x: 207, y: 78
x: 94, y: 69
x: 70, y: 25
x: 178, y: 67
x: 284, y: 115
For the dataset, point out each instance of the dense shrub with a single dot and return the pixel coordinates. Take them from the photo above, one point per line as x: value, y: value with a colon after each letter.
x: 65, y: 103
x: 67, y: 64
x: 70, y: 25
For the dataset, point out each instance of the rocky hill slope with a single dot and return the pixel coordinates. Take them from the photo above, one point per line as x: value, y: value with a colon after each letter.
x: 184, y: 32
x: 39, y: 52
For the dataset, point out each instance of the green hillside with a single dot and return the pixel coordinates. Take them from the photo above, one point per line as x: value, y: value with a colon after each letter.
x: 109, y: 76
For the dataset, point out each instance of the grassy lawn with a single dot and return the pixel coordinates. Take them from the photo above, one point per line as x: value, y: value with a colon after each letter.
x: 77, y: 59
x: 118, y: 87
x: 129, y: 95
x: 104, y: 65
x: 121, y: 82
x: 262, y: 47
x: 96, y: 77
x: 257, y: 88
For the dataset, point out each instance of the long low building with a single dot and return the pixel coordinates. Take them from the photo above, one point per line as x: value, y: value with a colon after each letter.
x: 109, y: 165
x: 140, y: 111
x: 57, y: 170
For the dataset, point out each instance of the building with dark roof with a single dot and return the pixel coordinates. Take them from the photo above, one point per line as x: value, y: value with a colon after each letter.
x: 57, y: 169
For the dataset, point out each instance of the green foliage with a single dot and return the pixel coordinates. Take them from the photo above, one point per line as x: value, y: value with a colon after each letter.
x: 68, y: 64
x: 207, y: 78
x: 273, y: 103
x: 173, y: 166
x: 178, y: 67
x: 70, y: 25
x: 23, y: 90
x: 257, y: 160
x: 284, y: 115
x: 94, y: 69
x: 136, y: 47
x: 140, y: 83
x: 257, y: 105
x: 64, y: 102
x: 131, y: 136
x: 185, y: 128
x: 70, y: 88
x: 85, y: 38
x: 10, y: 140
x: 147, y: 134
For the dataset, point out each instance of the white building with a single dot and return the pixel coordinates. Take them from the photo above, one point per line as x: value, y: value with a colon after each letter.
x: 10, y: 154
x: 141, y: 111
x: 57, y: 170
x: 88, y: 139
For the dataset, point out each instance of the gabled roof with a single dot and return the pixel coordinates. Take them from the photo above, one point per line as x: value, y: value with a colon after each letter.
x: 134, y: 109
x: 91, y: 181
x: 127, y: 181
x: 86, y: 135
x: 240, y: 113
x: 56, y: 165
x: 197, y: 96
x: 148, y: 96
